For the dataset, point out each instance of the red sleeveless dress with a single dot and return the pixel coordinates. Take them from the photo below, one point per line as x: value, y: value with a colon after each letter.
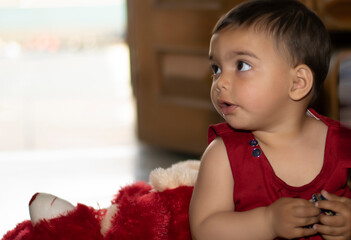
x: 256, y: 184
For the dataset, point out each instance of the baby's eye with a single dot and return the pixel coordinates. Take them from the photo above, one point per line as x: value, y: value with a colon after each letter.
x: 215, y: 69
x: 243, y: 66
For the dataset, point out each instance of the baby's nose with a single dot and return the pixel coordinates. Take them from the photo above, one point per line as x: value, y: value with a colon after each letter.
x: 223, y: 82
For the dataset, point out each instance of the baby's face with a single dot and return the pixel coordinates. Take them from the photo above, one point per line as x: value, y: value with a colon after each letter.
x: 251, y: 79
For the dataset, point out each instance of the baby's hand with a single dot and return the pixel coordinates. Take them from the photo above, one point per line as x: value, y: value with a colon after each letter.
x: 338, y: 226
x: 290, y: 216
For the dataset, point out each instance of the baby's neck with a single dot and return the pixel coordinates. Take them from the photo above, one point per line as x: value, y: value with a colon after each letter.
x: 296, y: 156
x: 292, y: 131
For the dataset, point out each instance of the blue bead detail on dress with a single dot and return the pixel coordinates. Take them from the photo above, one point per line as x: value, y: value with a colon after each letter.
x: 256, y: 152
x: 253, y: 143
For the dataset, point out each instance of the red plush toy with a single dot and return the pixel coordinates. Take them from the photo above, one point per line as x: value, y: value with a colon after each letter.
x: 155, y: 210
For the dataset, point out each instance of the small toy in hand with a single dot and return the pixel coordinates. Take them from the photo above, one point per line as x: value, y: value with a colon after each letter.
x: 317, y: 197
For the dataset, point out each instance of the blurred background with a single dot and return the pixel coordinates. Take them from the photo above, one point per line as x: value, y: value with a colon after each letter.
x: 65, y: 102
x: 64, y: 65
x: 94, y: 94
x: 67, y: 109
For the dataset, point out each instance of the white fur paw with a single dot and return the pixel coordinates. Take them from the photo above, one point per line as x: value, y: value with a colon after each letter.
x: 180, y: 174
x: 106, y: 221
x: 46, y: 206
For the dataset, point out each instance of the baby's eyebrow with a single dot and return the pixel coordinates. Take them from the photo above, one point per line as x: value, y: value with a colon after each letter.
x: 233, y: 54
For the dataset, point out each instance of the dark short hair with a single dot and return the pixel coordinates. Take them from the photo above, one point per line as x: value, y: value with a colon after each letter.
x: 292, y: 24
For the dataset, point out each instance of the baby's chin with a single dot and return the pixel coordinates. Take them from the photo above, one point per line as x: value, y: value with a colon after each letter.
x: 237, y: 124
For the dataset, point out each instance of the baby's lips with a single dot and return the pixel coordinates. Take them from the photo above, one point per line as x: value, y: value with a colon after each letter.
x: 222, y: 103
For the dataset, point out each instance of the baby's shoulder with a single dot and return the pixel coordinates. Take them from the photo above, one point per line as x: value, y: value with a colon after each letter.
x: 227, y: 133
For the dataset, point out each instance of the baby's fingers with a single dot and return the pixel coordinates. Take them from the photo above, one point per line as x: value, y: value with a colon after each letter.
x: 335, y: 206
x: 334, y: 198
x: 328, y: 230
x: 304, y: 232
x: 308, y: 210
x: 333, y: 227
x: 332, y: 221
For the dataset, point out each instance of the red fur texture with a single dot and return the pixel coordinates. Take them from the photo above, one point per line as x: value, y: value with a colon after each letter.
x: 142, y: 214
x: 23, y: 231
x: 132, y: 192
x: 82, y: 223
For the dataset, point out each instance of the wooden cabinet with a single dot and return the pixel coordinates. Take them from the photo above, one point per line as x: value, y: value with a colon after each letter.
x: 336, y: 14
x: 338, y: 87
x: 171, y: 78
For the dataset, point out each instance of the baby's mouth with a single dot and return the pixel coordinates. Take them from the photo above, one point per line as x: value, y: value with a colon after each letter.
x: 224, y: 104
x: 226, y: 107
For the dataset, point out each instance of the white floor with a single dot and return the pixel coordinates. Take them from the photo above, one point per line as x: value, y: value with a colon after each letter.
x: 89, y: 176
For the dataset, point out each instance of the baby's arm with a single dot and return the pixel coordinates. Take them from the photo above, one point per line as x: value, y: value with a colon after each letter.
x: 338, y: 226
x: 212, y: 214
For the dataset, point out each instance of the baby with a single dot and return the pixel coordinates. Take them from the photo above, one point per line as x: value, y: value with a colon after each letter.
x: 273, y: 153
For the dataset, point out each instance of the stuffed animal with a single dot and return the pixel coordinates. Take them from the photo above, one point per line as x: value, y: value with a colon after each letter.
x: 156, y: 210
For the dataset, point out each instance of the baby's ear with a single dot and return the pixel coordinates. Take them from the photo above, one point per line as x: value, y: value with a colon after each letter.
x: 302, y: 83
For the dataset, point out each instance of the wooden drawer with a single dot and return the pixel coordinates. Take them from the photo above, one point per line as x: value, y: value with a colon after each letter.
x: 336, y: 14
